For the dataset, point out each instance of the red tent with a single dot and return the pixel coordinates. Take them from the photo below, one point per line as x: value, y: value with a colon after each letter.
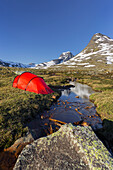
x: 30, y: 82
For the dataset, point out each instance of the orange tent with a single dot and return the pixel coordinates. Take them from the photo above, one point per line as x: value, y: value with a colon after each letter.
x: 30, y: 82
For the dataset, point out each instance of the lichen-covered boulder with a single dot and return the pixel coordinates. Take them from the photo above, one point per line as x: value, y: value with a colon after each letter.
x: 72, y: 147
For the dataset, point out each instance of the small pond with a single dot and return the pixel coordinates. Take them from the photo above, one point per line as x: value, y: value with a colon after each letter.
x: 72, y: 106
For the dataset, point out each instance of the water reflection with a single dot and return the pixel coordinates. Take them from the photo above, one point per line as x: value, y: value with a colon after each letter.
x: 82, y: 90
x: 72, y: 106
x: 66, y: 92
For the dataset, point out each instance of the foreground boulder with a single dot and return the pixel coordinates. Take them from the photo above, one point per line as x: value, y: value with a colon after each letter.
x: 69, y: 148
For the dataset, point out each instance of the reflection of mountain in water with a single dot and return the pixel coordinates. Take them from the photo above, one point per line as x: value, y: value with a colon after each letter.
x: 66, y: 92
x: 82, y: 90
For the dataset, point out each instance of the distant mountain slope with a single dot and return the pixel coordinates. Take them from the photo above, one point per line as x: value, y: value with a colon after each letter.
x: 12, y: 64
x: 65, y: 56
x: 98, y: 51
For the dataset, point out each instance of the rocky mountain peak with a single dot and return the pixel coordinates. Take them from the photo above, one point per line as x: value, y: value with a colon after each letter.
x: 98, y: 52
x: 100, y: 38
x: 99, y: 42
x: 66, y: 56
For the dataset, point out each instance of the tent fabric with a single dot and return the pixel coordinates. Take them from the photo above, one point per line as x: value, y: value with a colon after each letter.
x: 30, y: 82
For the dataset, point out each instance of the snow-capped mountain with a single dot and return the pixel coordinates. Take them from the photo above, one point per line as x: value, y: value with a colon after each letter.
x: 65, y: 56
x: 99, y: 51
x: 12, y: 64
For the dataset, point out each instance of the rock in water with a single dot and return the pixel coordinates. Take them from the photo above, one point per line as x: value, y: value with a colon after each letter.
x: 72, y: 147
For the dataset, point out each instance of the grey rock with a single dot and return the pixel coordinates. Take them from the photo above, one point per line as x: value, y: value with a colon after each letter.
x: 72, y: 147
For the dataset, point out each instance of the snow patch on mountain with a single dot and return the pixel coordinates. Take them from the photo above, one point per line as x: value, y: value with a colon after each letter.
x: 98, y: 52
x: 90, y: 66
x: 12, y: 64
x: 65, y: 56
x: 102, y: 38
x: 99, y: 49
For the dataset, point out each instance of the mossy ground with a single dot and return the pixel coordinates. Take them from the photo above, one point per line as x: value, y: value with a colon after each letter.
x: 18, y: 107
x: 103, y: 97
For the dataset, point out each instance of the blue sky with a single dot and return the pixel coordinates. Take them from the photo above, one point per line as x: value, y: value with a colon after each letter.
x: 40, y: 30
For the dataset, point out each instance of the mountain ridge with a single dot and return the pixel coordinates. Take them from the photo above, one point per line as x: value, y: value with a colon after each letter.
x: 98, y: 50
x: 65, y: 56
x: 12, y: 64
x: 97, y: 53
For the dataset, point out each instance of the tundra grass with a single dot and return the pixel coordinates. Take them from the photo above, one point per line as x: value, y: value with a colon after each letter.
x: 103, y: 97
x: 100, y: 81
x: 18, y: 107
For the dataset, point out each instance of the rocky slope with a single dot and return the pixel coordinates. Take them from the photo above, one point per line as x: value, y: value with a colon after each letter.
x: 65, y: 56
x: 69, y: 148
x: 98, y: 52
